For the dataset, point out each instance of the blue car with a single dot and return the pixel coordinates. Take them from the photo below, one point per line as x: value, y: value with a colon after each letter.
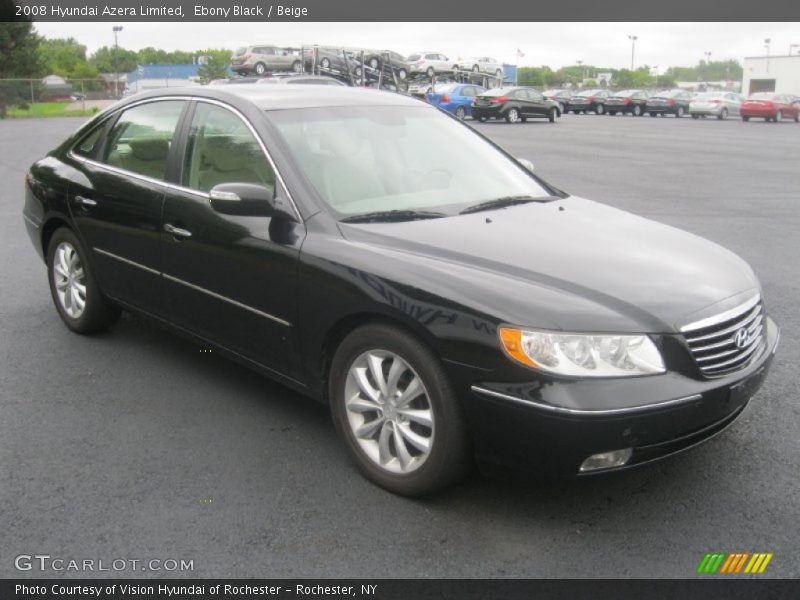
x: 455, y: 98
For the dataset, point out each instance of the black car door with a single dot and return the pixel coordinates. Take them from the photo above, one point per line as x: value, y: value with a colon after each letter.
x: 230, y: 279
x: 116, y: 201
x: 537, y: 103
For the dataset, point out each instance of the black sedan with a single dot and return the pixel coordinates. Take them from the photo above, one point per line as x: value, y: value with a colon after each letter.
x: 672, y: 102
x: 382, y: 257
x: 514, y: 104
x: 627, y: 101
x: 588, y: 101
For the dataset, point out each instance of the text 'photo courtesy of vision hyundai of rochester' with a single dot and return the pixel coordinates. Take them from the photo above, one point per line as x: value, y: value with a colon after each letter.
x: 381, y: 256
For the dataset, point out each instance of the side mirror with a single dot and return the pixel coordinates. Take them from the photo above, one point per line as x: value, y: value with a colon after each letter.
x: 249, y: 200
x: 526, y: 163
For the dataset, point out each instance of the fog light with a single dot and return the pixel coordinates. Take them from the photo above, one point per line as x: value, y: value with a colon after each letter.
x: 606, y: 460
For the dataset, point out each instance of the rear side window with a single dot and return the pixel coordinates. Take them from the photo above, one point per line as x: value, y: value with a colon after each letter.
x: 141, y: 138
x: 222, y: 149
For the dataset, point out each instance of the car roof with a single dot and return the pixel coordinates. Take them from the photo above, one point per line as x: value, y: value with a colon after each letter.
x: 282, y: 97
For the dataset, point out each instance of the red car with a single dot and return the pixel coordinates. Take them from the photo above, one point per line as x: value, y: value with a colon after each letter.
x: 770, y: 107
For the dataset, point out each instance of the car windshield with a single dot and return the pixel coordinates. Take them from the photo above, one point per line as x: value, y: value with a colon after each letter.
x: 370, y: 159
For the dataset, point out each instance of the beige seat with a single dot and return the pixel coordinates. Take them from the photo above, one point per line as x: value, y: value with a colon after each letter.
x: 231, y: 160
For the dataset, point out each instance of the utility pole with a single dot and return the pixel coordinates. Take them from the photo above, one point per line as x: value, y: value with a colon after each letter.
x: 633, y: 39
x: 117, y: 29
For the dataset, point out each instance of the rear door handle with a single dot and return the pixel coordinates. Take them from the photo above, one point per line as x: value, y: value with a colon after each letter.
x: 87, y: 202
x: 177, y: 231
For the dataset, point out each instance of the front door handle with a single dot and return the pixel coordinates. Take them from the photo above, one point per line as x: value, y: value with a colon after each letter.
x: 87, y: 202
x: 177, y: 231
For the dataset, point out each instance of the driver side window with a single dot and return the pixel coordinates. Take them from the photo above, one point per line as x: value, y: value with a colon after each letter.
x: 222, y: 149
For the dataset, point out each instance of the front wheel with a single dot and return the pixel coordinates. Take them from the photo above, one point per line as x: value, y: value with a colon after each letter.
x: 261, y: 68
x: 637, y: 110
x: 551, y: 115
x: 74, y: 289
x: 397, y: 412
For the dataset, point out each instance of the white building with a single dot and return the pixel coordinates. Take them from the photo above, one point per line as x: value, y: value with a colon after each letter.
x: 771, y: 74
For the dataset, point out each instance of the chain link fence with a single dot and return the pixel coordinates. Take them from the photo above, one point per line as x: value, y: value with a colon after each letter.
x: 57, y: 96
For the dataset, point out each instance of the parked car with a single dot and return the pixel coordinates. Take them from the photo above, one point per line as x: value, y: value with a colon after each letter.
x: 368, y: 251
x: 671, y: 102
x: 588, y: 101
x: 627, y: 101
x: 560, y: 96
x: 715, y: 104
x: 301, y: 79
x: 455, y: 98
x: 330, y: 59
x: 770, y: 107
x: 263, y: 59
x: 514, y: 104
x: 386, y: 61
x: 429, y: 63
x: 481, y: 64
x: 421, y: 87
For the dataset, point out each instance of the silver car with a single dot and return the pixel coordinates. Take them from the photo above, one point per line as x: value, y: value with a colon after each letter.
x: 429, y: 63
x: 260, y: 60
x: 715, y: 104
x: 481, y: 64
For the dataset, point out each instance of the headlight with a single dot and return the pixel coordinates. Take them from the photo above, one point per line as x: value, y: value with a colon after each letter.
x: 582, y: 355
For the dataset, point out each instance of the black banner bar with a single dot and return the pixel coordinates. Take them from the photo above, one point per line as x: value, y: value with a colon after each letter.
x: 397, y: 11
x: 398, y: 589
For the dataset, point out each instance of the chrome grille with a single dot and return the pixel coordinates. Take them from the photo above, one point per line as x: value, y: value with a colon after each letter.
x: 720, y: 345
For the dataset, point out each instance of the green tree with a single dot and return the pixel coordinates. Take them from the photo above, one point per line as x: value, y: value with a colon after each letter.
x: 104, y: 60
x: 19, y: 58
x: 216, y: 65
x: 534, y: 76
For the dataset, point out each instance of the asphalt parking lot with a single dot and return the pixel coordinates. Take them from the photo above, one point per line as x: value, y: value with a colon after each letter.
x: 133, y: 444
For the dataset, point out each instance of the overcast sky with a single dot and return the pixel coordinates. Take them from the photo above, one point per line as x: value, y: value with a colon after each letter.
x: 554, y: 44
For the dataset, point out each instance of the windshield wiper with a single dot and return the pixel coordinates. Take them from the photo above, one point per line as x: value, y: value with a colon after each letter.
x: 503, y: 202
x: 393, y: 215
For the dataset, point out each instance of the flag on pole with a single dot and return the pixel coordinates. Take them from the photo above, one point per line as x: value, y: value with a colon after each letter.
x: 520, y: 53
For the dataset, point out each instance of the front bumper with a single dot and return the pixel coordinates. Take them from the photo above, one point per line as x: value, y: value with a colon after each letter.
x: 552, y: 427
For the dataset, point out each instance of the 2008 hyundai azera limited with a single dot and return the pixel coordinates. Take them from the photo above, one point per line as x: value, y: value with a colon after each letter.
x: 378, y: 255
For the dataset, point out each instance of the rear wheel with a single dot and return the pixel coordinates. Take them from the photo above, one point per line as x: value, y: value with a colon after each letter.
x: 430, y: 72
x: 475, y: 68
x: 652, y: 114
x: 745, y: 118
x: 461, y: 112
x: 679, y: 113
x: 512, y: 116
x: 600, y: 109
x: 637, y: 110
x: 778, y: 117
x: 325, y: 63
x: 261, y: 68
x: 297, y: 66
x: 612, y: 112
x: 74, y: 289
x: 695, y: 116
x: 723, y: 114
x: 395, y: 408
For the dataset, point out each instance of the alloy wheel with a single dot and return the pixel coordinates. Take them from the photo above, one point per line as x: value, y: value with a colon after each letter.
x: 70, y: 280
x: 513, y: 115
x: 389, y: 411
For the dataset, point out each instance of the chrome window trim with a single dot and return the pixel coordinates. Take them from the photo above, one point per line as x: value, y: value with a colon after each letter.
x: 587, y: 413
x: 193, y: 286
x: 126, y: 260
x: 182, y: 188
x: 723, y: 316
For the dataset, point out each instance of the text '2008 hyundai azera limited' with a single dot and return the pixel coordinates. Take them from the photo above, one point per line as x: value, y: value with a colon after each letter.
x: 378, y: 255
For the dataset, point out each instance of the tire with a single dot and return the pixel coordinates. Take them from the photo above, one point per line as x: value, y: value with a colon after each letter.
x: 373, y: 62
x: 599, y: 109
x: 778, y: 117
x: 679, y: 113
x: 325, y: 63
x: 475, y: 69
x: 723, y: 114
x: 430, y: 72
x: 561, y: 108
x: 551, y: 115
x: 68, y: 270
x: 797, y: 117
x: 402, y: 74
x: 415, y: 458
x: 745, y: 119
x: 461, y: 113
x: 512, y: 115
x: 260, y: 68
x: 637, y: 110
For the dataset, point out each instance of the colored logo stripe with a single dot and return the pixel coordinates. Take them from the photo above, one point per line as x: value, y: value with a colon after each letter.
x: 722, y: 562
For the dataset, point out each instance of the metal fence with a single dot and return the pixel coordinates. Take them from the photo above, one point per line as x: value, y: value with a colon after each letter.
x: 53, y: 96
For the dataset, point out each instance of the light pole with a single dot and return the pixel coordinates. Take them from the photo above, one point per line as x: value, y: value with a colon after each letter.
x: 767, y: 42
x: 117, y: 29
x: 633, y: 39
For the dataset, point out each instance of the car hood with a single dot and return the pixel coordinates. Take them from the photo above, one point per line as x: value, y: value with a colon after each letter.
x: 570, y: 264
